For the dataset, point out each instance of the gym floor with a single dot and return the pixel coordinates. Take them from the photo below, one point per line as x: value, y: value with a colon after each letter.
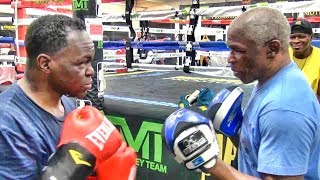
x: 158, y: 92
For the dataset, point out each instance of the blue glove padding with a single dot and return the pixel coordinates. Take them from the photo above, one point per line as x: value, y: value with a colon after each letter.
x: 225, y: 110
x: 191, y: 138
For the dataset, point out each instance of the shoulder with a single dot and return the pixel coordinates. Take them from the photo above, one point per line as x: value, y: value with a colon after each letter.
x: 317, y: 49
x: 8, y: 93
x: 315, y: 55
x: 13, y: 100
x: 286, y: 118
x: 286, y: 82
x: 291, y: 97
x: 295, y: 104
x: 15, y: 110
x: 291, y: 93
x: 14, y: 121
x: 9, y: 104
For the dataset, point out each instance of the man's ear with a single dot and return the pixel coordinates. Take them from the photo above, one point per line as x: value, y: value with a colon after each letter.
x: 273, y: 47
x: 44, y: 61
x: 311, y: 38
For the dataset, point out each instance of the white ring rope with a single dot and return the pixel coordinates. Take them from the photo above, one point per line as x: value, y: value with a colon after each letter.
x: 151, y: 55
x: 16, y: 30
x: 7, y: 58
x: 231, y: 11
x: 111, y: 65
x: 6, y: 19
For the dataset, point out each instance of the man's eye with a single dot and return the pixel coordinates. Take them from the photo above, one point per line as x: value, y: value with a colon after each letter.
x: 86, y: 61
x: 238, y: 51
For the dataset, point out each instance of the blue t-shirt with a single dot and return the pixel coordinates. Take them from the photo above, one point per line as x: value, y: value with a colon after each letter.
x: 28, y: 134
x: 280, y: 133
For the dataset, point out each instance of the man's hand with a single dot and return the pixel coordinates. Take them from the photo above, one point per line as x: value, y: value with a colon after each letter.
x: 121, y: 166
x: 199, y: 98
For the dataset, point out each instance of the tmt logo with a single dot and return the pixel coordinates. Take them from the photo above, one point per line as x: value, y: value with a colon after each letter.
x: 142, y: 142
x: 80, y: 5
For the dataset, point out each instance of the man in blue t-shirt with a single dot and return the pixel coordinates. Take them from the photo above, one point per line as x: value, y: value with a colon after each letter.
x: 280, y: 133
x: 32, y: 111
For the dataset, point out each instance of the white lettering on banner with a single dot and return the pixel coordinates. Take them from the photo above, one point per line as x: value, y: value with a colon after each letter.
x: 101, y: 134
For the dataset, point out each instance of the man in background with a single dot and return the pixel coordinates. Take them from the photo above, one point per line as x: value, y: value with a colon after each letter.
x: 304, y: 54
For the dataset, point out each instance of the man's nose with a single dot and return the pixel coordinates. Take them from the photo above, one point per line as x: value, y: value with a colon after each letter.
x: 231, y: 58
x: 90, y: 71
x: 295, y: 39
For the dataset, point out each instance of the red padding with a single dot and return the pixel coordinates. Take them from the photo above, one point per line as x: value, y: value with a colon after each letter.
x: 7, y: 75
x: 122, y: 70
x: 20, y: 68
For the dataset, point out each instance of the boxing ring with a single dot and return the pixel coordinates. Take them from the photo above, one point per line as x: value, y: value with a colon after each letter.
x: 139, y: 102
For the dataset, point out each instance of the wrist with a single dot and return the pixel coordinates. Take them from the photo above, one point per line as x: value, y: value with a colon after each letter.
x: 220, y: 170
x: 212, y: 170
x: 70, y: 161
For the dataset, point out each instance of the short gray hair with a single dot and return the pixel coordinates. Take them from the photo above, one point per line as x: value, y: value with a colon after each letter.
x: 263, y: 24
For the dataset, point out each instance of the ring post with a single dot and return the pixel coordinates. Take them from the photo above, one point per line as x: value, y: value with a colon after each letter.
x: 22, y: 30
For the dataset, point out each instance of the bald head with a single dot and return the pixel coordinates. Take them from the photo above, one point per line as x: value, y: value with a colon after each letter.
x: 261, y: 25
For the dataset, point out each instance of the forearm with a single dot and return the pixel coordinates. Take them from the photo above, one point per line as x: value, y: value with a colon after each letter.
x: 62, y: 166
x: 222, y: 171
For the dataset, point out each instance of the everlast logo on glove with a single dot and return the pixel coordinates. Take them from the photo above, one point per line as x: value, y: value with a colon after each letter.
x: 100, y: 136
x: 78, y: 158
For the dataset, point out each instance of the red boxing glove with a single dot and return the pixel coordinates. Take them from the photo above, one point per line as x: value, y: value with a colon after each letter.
x: 121, y: 166
x: 92, y: 130
x: 87, y: 138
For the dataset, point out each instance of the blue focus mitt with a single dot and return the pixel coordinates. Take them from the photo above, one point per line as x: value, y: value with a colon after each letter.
x: 225, y: 110
x: 190, y: 136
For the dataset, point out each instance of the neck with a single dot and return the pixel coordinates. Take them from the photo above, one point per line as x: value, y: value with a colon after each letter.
x: 274, y: 68
x: 306, y: 53
x: 38, y: 89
